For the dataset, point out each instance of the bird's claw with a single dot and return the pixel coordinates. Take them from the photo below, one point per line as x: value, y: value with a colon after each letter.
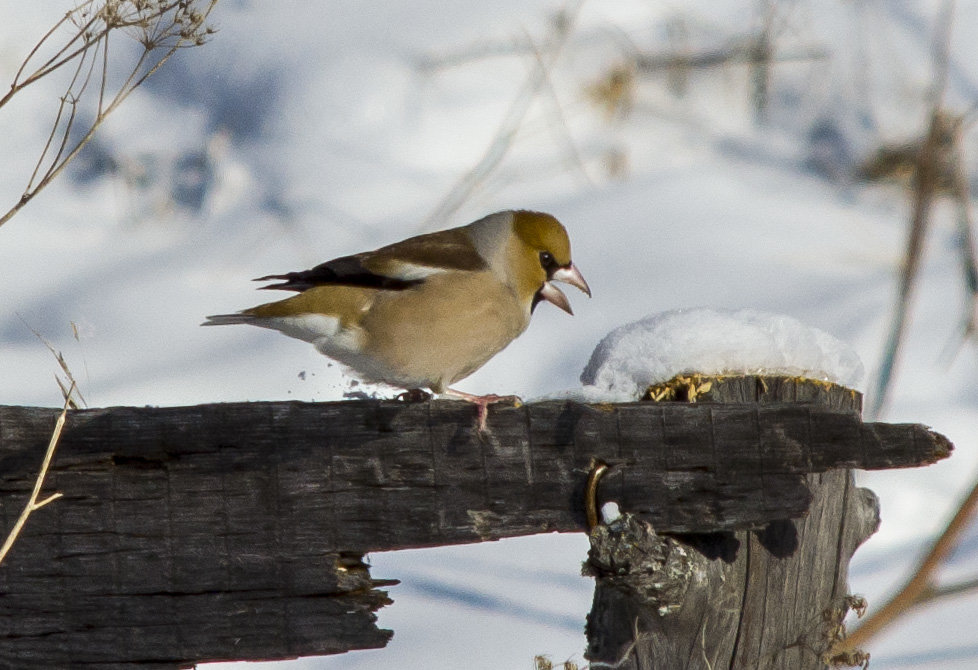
x: 483, y: 402
x: 414, y: 396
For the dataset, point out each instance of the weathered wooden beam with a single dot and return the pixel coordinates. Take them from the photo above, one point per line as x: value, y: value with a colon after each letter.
x: 128, y: 598
x: 52, y: 618
x: 372, y: 476
x: 252, y: 517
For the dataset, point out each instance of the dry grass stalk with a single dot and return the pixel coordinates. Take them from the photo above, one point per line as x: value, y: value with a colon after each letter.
x: 937, y: 166
x: 924, y: 193
x: 33, y: 504
x: 760, y: 51
x: 506, y: 134
x: 921, y: 587
x: 969, y: 260
x: 936, y: 152
x: 160, y: 26
x: 71, y: 388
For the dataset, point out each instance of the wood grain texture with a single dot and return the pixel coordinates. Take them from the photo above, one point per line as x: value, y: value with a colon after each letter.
x: 778, y: 604
x: 371, y: 476
x: 769, y: 599
x: 134, y: 602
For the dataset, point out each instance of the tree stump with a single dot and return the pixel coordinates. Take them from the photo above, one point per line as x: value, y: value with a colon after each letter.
x: 771, y: 598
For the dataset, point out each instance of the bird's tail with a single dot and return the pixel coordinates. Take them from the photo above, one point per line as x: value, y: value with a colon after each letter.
x: 227, y: 319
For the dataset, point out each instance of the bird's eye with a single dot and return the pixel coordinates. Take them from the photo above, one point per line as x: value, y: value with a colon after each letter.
x: 547, y: 260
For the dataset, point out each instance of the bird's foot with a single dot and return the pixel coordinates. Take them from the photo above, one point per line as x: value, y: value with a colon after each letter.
x: 414, y: 395
x: 483, y: 402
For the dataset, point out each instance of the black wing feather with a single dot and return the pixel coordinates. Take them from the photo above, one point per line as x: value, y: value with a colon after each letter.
x: 447, y: 249
x: 348, y: 271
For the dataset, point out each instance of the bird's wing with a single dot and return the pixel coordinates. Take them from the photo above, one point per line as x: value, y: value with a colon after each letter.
x: 395, y: 267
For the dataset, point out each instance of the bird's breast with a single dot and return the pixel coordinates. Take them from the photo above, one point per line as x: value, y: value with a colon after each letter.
x: 444, y: 329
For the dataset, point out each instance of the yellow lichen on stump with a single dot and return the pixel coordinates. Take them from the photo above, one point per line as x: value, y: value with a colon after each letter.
x: 696, y: 387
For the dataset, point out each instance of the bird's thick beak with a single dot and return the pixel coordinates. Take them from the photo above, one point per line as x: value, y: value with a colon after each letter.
x: 569, y: 275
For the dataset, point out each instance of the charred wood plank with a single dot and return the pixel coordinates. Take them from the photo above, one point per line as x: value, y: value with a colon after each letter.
x: 253, y: 516
x: 371, y: 475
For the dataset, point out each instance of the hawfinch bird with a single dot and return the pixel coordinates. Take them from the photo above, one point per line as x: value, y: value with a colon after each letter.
x: 430, y: 310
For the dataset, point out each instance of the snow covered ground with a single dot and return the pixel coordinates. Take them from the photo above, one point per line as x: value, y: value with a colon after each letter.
x: 287, y: 141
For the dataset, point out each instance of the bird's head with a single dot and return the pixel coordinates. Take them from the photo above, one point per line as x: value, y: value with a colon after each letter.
x: 539, y: 255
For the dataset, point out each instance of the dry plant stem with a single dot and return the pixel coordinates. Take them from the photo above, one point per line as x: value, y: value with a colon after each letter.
x: 723, y: 56
x: 761, y: 54
x: 966, y: 230
x: 558, y: 114
x: 33, y: 503
x: 168, y: 25
x: 482, y: 51
x: 72, y: 388
x: 507, y: 131
x: 925, y: 184
x: 952, y: 589
x: 924, y: 190
x: 757, y: 50
x: 58, y: 60
x: 920, y: 588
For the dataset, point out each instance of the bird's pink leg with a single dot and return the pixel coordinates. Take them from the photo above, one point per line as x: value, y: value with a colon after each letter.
x: 483, y: 402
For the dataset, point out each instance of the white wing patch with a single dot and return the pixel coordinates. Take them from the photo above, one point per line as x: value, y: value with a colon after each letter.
x: 413, y: 271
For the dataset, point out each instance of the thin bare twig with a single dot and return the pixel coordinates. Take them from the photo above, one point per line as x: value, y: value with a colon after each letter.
x: 920, y: 588
x: 952, y: 589
x: 558, y: 113
x: 160, y: 26
x: 925, y: 186
x: 966, y: 243
x: 510, y: 125
x: 33, y: 504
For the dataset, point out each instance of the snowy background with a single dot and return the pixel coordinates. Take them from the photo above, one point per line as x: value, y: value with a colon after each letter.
x: 305, y: 131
